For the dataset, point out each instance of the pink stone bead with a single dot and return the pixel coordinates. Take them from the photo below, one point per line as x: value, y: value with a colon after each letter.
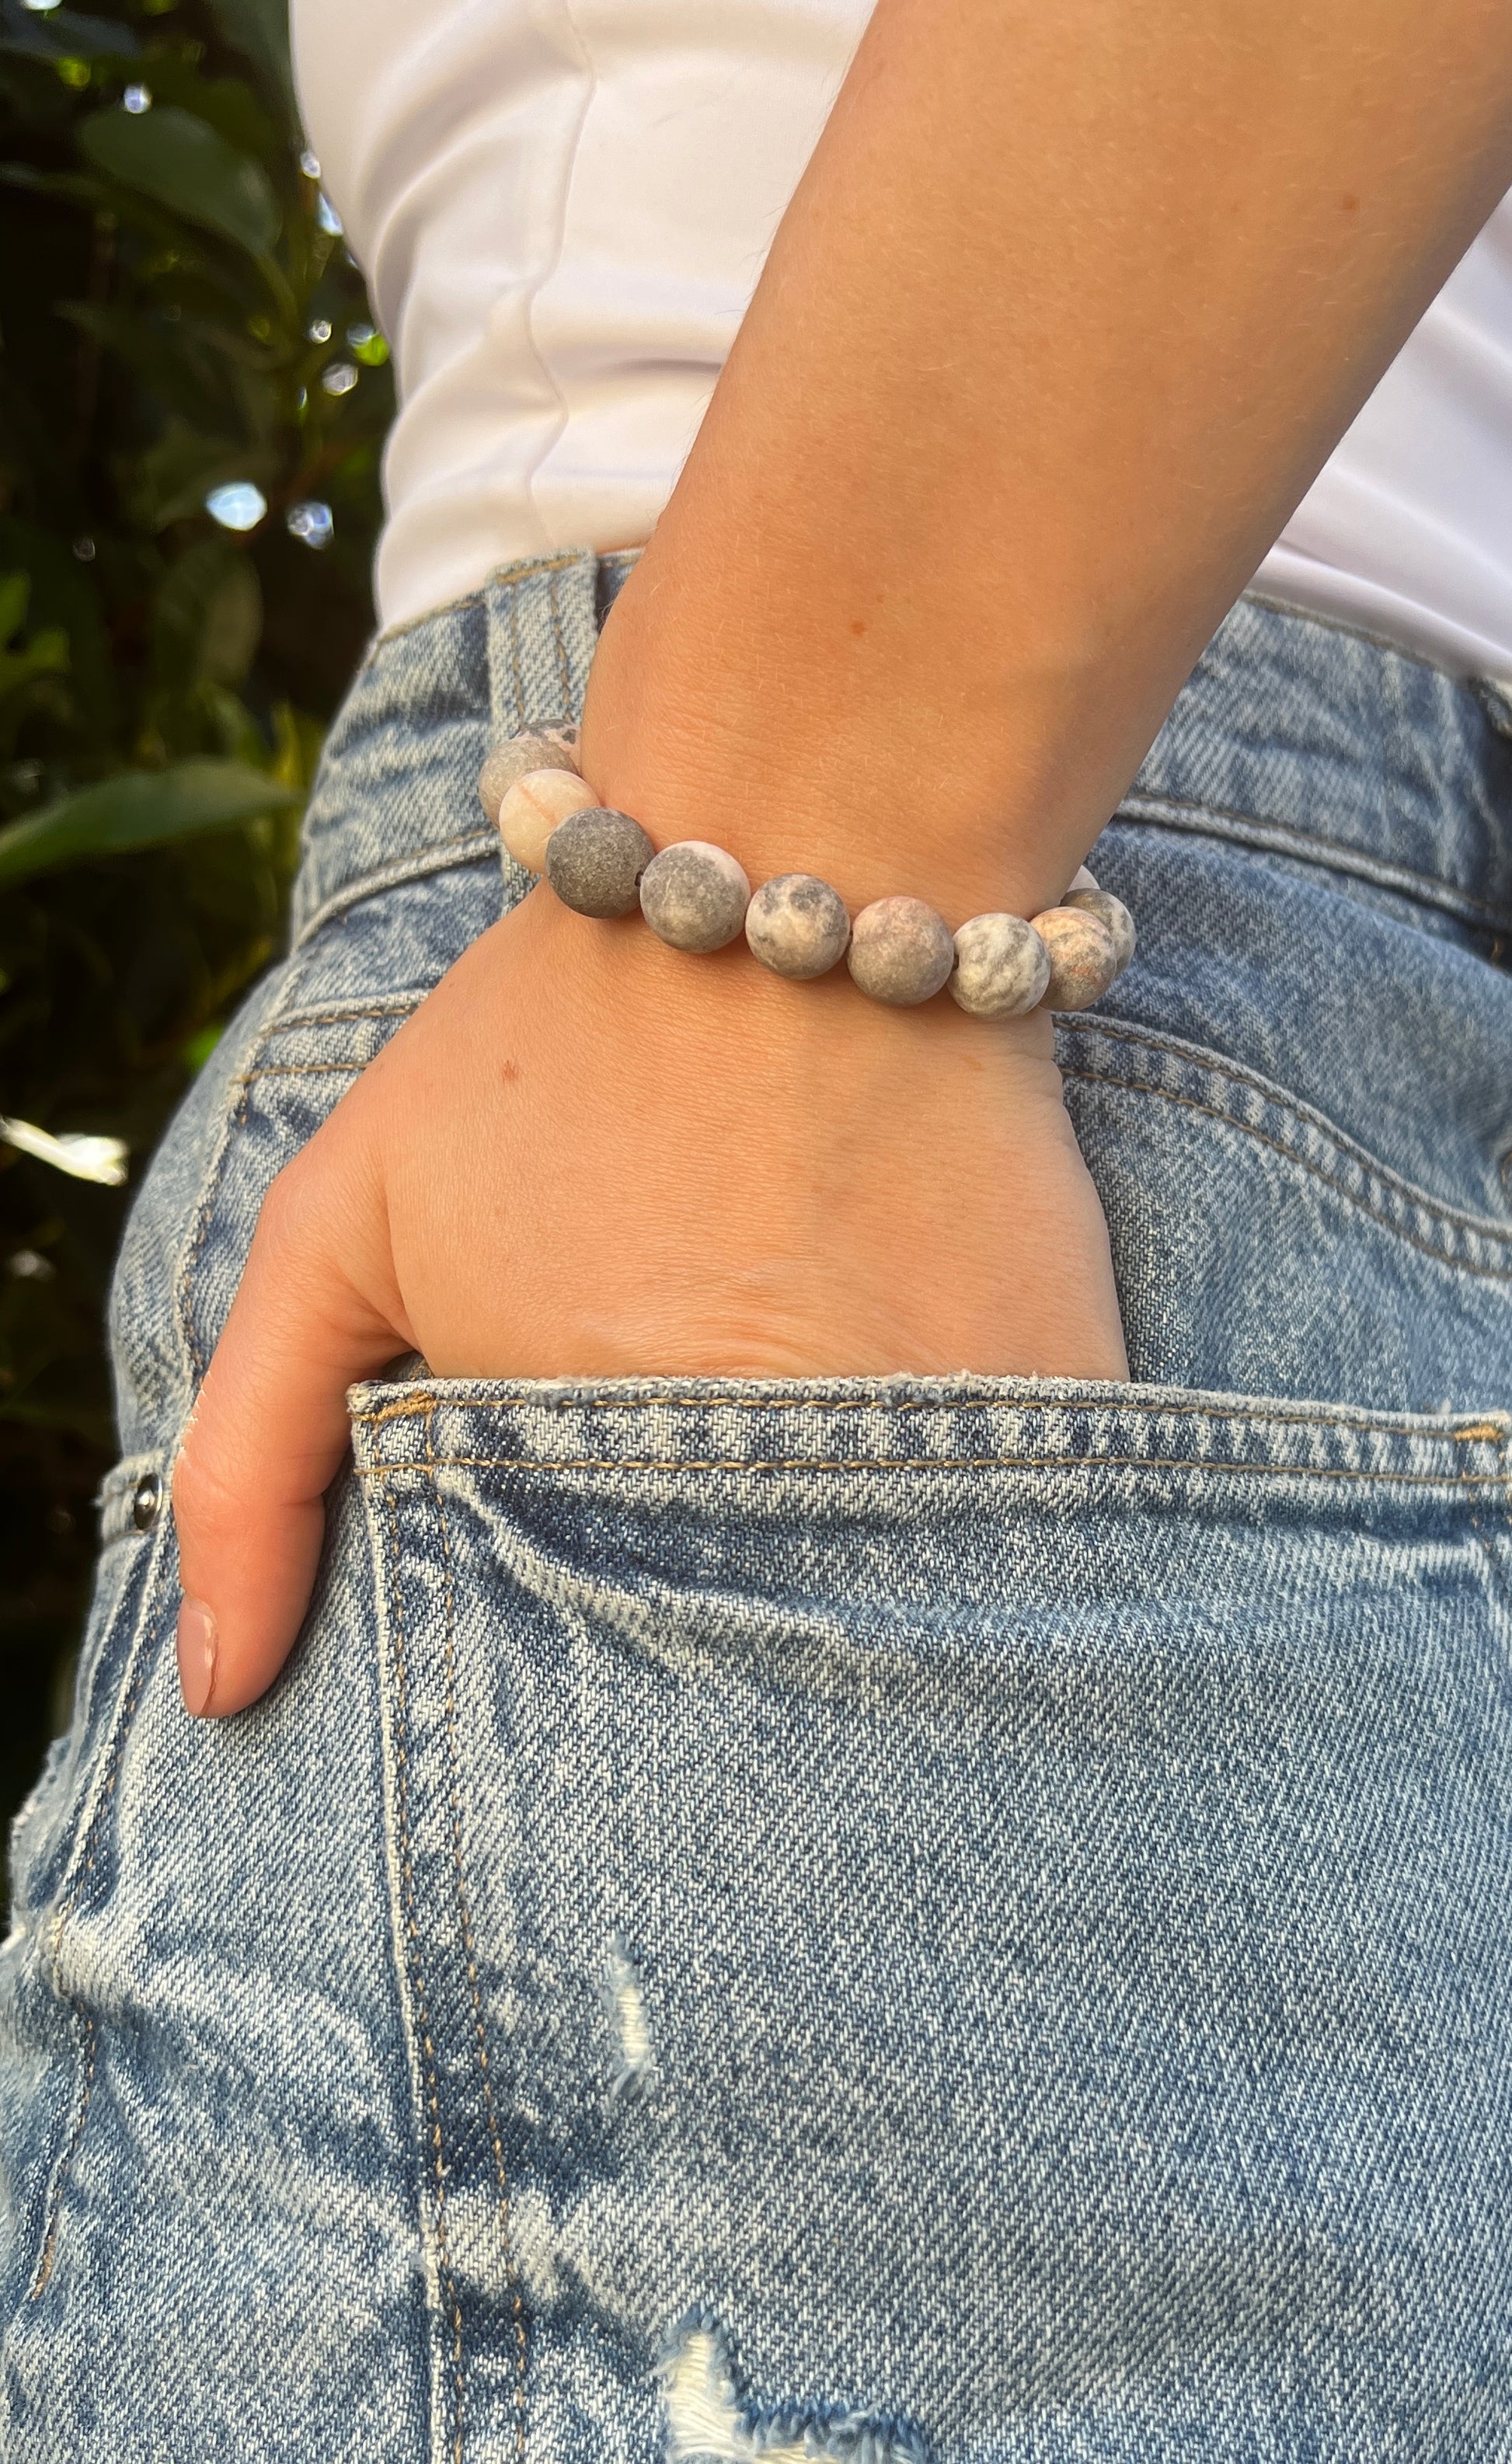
x: 534, y: 806
x: 901, y: 951
x: 1083, y: 961
x: 1109, y: 912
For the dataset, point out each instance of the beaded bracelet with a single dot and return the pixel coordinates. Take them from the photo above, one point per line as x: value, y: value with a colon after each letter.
x: 694, y: 896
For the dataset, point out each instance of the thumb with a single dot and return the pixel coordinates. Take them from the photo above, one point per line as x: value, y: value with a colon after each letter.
x: 269, y: 1432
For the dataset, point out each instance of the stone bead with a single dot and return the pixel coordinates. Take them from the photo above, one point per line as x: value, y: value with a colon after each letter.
x: 534, y: 806
x: 1001, y: 967
x: 694, y: 896
x: 595, y: 860
x: 1109, y: 912
x: 1082, y: 879
x: 550, y: 747
x: 798, y: 926
x: 901, y: 951
x: 1082, y: 960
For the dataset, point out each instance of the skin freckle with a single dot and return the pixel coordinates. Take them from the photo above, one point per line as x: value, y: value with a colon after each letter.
x: 509, y: 1071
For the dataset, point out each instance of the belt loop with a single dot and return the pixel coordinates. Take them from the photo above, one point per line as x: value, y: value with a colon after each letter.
x: 542, y: 631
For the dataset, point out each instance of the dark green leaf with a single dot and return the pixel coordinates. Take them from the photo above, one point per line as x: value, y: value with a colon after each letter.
x: 64, y: 34
x: 15, y: 592
x: 210, y: 616
x: 139, y: 808
x: 260, y: 29
x: 180, y: 162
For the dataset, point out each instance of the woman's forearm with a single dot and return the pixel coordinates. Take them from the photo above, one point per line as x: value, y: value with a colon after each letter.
x: 1068, y: 310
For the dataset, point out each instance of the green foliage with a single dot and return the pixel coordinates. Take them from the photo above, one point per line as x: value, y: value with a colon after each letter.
x: 171, y: 293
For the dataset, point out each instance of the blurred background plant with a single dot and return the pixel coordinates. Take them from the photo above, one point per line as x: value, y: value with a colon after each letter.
x: 192, y: 402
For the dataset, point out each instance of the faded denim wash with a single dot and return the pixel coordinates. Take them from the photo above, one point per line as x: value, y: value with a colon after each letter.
x: 966, y: 1920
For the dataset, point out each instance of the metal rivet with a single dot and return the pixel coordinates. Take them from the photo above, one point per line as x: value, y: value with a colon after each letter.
x: 145, y: 1499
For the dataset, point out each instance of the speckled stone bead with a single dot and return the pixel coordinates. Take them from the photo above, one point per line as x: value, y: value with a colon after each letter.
x: 595, y: 860
x: 1111, y: 912
x: 550, y: 747
x: 798, y: 926
x: 1001, y: 967
x: 901, y: 951
x: 694, y: 896
x: 1080, y: 879
x: 1082, y: 960
x: 534, y: 806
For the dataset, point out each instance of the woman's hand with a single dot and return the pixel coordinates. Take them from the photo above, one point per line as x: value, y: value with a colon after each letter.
x: 586, y: 1156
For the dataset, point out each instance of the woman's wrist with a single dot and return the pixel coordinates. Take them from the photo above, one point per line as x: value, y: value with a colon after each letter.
x: 800, y: 756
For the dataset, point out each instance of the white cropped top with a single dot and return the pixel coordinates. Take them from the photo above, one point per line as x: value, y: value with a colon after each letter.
x: 563, y: 208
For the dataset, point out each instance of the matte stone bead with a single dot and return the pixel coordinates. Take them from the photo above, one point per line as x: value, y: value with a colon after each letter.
x: 694, y: 895
x: 1082, y: 960
x: 1001, y: 967
x: 901, y: 951
x: 595, y: 860
x: 1082, y: 879
x: 534, y: 806
x: 549, y: 747
x: 1109, y: 910
x: 798, y: 926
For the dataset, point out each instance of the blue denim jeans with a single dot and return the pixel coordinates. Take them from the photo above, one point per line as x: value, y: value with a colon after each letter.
x: 867, y: 1920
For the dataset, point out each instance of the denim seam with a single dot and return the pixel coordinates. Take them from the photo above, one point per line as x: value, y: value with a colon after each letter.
x: 553, y: 1463
x: 421, y: 2008
x: 554, y: 609
x: 1499, y: 1574
x: 155, y: 1589
x: 446, y: 855
x: 304, y: 1069
x: 416, y: 1407
x: 465, y: 1918
x: 1205, y: 1062
x: 1328, y: 1179
x: 1328, y: 854
x: 234, y: 1121
x: 515, y: 665
x: 339, y: 1014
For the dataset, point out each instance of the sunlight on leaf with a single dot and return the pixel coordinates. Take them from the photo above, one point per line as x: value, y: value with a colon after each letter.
x: 139, y: 808
x: 80, y: 1156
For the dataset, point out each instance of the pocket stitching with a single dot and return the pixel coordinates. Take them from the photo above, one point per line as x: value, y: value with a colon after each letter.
x: 1202, y: 1060
x: 423, y: 1405
x: 1456, y: 1226
x: 465, y: 1916
x: 68, y: 1907
x: 553, y: 1463
x: 412, y: 1963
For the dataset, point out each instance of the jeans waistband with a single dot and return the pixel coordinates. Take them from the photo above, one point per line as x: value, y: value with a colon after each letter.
x: 1292, y: 735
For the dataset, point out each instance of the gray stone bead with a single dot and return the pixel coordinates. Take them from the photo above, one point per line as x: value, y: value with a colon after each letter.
x: 694, y: 895
x: 595, y: 860
x: 1080, y: 879
x: 901, y: 951
x: 1110, y: 912
x: 551, y: 746
x: 1001, y: 967
x: 798, y: 926
x: 1082, y: 960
